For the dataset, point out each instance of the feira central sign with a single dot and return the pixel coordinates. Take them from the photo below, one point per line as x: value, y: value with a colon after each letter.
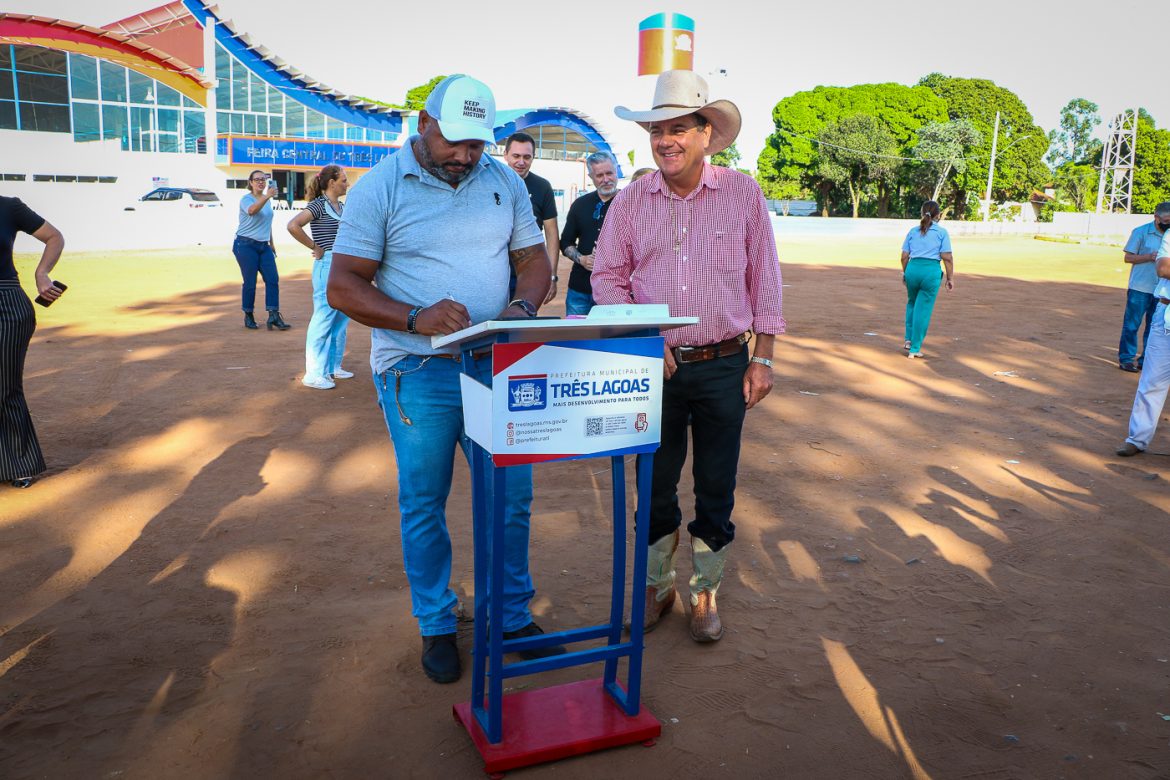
x: 289, y: 153
x: 566, y: 400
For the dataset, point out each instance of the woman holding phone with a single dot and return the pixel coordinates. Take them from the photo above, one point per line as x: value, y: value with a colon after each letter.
x: 20, y: 452
x: 256, y: 252
x: 325, y: 336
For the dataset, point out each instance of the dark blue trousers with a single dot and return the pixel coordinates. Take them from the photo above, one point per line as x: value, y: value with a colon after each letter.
x: 257, y: 257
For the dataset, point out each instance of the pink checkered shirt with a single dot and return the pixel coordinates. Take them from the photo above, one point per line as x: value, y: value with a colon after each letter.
x: 709, y: 255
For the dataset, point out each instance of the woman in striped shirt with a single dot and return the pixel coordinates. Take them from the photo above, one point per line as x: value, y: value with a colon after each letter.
x: 325, y: 338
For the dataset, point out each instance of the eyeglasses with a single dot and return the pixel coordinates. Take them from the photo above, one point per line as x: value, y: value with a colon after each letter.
x: 260, y: 178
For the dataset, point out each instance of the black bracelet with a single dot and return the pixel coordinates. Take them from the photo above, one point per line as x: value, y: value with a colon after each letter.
x: 411, y: 318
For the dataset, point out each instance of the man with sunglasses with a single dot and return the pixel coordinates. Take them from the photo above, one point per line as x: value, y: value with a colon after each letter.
x: 582, y: 226
x: 698, y: 238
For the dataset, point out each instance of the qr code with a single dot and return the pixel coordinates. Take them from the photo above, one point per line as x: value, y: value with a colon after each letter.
x: 593, y: 426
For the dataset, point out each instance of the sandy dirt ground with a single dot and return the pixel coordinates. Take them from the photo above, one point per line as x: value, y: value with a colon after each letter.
x: 941, y: 570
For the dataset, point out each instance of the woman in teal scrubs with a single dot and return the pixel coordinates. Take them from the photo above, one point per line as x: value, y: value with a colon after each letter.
x: 922, y: 250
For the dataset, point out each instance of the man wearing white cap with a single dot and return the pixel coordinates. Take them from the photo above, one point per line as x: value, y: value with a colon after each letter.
x: 696, y: 237
x: 436, y: 228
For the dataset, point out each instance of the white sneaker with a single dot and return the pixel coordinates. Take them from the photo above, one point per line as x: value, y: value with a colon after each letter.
x: 341, y: 373
x: 318, y: 383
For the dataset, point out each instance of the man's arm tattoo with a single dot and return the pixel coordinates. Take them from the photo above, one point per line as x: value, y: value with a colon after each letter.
x: 573, y: 254
x: 521, y: 258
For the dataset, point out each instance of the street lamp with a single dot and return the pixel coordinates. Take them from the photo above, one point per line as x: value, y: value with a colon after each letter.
x: 991, y: 167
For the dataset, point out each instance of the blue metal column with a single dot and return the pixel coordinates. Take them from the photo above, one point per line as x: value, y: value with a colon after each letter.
x: 645, y: 469
x: 617, y: 597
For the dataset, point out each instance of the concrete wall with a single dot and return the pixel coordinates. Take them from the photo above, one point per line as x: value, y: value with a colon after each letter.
x: 1074, y: 224
x: 92, y: 215
x: 845, y: 226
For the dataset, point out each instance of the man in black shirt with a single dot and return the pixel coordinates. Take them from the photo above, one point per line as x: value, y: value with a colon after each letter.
x: 518, y: 152
x: 582, y: 227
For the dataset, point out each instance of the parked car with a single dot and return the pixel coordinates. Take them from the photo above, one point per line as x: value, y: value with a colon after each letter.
x: 171, y: 197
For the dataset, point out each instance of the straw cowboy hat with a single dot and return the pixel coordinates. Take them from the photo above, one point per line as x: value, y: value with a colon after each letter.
x: 681, y: 92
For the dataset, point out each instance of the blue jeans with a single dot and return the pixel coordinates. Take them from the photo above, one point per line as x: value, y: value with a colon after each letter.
x: 257, y: 256
x: 577, y: 302
x: 1138, y: 306
x: 325, y: 338
x: 423, y: 407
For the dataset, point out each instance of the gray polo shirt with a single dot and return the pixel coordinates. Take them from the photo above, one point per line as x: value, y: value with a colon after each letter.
x: 434, y: 242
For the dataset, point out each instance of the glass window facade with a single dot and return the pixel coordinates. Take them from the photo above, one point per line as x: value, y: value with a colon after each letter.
x: 34, y: 90
x: 246, y: 105
x: 51, y: 91
x: 94, y: 99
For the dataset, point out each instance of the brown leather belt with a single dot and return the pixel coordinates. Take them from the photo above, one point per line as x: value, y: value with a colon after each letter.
x: 726, y: 348
x: 476, y: 355
x: 1164, y: 300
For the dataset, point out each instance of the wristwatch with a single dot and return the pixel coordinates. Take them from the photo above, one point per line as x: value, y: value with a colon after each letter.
x: 762, y: 361
x: 528, y: 308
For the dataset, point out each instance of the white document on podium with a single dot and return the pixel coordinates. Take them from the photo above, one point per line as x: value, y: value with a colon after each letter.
x: 602, y: 322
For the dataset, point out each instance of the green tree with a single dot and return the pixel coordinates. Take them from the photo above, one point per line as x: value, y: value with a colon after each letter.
x: 728, y: 158
x: 416, y: 98
x: 943, y: 147
x: 1074, y: 141
x: 1151, y: 165
x: 1076, y: 187
x: 1019, y: 164
x: 791, y: 153
x: 856, y: 151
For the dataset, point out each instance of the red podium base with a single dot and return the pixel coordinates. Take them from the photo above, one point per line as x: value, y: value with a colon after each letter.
x: 548, y: 724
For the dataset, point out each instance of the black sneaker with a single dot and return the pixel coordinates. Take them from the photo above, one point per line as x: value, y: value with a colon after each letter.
x: 1131, y: 367
x: 541, y: 652
x: 440, y: 658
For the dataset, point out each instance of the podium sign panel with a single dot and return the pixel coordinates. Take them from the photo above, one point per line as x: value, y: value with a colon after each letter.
x: 574, y: 399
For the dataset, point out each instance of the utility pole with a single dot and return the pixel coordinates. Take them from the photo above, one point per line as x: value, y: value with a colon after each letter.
x: 991, y: 170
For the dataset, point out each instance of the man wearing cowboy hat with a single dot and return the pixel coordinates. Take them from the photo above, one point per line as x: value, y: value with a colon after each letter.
x: 697, y: 237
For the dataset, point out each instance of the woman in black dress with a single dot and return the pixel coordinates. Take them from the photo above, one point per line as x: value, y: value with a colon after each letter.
x: 20, y: 453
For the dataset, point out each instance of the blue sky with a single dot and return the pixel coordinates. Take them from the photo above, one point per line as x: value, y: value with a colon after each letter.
x: 583, y: 55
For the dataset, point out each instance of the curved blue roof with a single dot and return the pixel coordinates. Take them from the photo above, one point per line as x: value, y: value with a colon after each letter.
x: 305, y: 92
x: 511, y: 121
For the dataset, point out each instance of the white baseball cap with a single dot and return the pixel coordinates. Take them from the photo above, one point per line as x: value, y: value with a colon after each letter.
x: 464, y: 108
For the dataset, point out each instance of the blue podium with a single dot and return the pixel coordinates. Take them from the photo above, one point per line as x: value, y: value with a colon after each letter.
x: 561, y: 390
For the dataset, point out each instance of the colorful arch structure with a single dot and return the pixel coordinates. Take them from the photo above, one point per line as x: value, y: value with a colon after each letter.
x: 82, y: 39
x: 180, y: 25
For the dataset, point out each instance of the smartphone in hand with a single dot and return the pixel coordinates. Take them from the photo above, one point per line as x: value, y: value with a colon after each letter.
x: 45, y: 301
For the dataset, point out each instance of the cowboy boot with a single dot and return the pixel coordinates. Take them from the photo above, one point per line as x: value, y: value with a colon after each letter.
x: 660, y: 592
x: 708, y: 567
